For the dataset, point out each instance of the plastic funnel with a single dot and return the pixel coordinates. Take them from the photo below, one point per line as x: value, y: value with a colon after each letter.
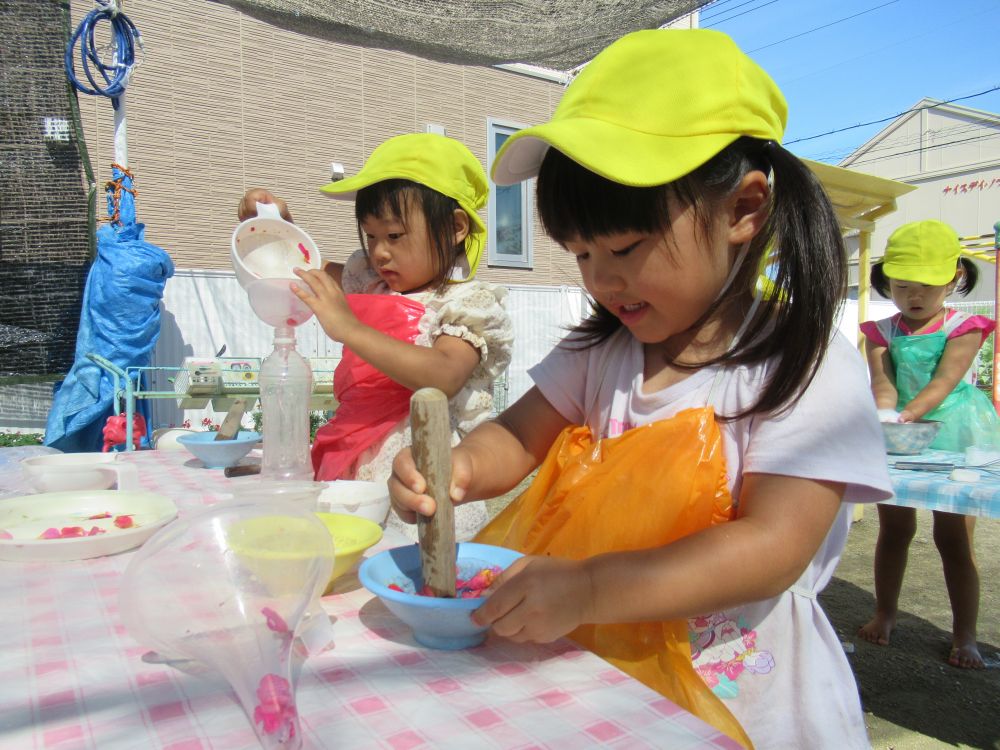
x: 302, y: 494
x: 231, y: 587
x: 276, y: 304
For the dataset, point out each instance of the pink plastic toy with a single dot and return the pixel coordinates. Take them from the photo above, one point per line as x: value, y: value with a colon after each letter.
x: 114, y: 431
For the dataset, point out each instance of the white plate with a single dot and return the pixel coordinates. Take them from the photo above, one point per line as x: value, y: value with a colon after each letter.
x: 26, y: 517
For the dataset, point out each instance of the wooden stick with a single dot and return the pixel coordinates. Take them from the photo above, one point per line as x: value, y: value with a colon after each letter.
x: 231, y: 424
x: 431, y: 431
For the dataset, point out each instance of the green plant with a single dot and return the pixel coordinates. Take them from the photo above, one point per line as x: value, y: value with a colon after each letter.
x: 15, y: 439
x: 984, y: 366
x: 316, y: 420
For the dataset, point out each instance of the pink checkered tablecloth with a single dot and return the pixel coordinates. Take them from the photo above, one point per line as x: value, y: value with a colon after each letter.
x: 72, y: 677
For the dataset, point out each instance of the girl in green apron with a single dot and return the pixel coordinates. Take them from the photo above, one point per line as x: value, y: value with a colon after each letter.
x: 918, y: 359
x: 696, y: 437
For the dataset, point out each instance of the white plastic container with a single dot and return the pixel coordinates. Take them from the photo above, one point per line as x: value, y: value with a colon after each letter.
x: 976, y: 455
x: 356, y: 498
x: 266, y: 246
x: 66, y: 472
x: 286, y: 382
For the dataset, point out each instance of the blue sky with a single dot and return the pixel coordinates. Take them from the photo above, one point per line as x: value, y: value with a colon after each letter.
x: 879, y: 63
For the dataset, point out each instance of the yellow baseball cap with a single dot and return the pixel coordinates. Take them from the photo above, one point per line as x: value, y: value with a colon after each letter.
x: 652, y: 107
x: 925, y: 252
x: 442, y: 164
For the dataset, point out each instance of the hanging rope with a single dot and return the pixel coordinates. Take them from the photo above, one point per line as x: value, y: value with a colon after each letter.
x: 114, y: 190
x: 125, y: 38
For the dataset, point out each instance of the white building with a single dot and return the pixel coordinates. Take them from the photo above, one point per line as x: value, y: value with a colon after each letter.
x: 952, y: 155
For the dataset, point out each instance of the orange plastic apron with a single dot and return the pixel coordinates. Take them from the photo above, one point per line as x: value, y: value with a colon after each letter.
x: 370, y: 404
x: 646, y: 488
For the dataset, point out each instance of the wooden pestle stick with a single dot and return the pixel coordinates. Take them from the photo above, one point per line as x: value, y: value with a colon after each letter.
x: 431, y: 432
x: 231, y: 424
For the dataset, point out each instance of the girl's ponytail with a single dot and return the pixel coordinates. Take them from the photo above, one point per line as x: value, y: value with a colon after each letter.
x: 808, y: 283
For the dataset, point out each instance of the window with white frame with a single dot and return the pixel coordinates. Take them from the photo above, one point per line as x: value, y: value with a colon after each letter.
x: 509, y: 219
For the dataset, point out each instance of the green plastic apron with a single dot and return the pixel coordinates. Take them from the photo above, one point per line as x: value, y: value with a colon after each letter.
x: 967, y: 415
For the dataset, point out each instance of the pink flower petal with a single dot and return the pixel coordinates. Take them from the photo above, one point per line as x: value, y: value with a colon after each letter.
x: 275, y: 621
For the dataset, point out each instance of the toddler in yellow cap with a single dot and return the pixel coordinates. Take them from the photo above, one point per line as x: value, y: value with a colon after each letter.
x: 406, y: 306
x: 698, y: 442
x: 918, y: 359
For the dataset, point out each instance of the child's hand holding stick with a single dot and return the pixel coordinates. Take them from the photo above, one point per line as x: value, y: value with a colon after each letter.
x: 432, y: 456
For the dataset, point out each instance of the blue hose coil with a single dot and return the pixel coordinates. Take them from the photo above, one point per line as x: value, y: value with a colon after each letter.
x: 126, y: 37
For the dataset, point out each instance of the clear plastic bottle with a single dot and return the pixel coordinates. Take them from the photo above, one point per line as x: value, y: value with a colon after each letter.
x: 286, y: 384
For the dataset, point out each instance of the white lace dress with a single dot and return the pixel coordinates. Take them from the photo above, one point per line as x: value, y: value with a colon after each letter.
x: 473, y: 311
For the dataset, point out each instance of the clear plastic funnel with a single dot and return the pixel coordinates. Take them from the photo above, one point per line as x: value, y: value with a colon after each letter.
x: 275, y: 303
x: 231, y: 588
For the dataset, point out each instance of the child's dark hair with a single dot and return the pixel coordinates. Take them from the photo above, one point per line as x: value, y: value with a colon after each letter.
x: 795, y: 319
x: 393, y: 197
x: 880, y: 282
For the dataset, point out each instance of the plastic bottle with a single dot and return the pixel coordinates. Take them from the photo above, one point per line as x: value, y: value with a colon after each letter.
x: 286, y: 384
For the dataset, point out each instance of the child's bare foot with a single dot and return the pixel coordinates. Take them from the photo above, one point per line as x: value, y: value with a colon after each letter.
x: 878, y: 629
x: 965, y: 656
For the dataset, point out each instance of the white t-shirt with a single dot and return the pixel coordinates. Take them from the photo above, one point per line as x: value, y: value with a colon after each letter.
x: 778, y: 665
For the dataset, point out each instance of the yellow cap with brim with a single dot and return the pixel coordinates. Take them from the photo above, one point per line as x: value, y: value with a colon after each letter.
x: 438, y: 162
x: 652, y: 107
x: 924, y: 252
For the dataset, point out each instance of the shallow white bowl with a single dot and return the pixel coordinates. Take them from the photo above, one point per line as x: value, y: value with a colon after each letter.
x: 64, y: 472
x: 165, y: 438
x: 24, y: 518
x: 356, y: 498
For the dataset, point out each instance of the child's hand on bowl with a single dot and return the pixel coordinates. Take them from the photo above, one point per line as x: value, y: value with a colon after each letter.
x: 538, y: 599
x: 407, y: 485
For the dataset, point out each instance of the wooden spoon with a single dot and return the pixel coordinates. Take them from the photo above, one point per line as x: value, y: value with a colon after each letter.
x: 431, y: 433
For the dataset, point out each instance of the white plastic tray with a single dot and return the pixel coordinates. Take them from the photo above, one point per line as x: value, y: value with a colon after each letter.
x: 27, y: 516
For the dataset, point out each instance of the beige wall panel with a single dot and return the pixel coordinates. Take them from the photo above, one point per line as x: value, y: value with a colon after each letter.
x: 388, y: 95
x: 224, y: 102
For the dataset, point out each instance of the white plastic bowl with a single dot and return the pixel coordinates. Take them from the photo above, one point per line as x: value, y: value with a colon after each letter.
x: 65, y: 472
x: 356, y: 498
x: 165, y: 438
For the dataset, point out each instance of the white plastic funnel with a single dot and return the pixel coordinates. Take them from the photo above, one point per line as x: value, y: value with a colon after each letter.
x: 274, y: 302
x: 266, y: 246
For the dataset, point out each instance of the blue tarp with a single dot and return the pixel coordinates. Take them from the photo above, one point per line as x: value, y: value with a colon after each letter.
x: 120, y: 321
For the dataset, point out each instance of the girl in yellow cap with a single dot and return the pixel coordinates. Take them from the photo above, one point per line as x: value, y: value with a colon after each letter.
x: 918, y: 359
x: 406, y: 306
x: 697, y: 441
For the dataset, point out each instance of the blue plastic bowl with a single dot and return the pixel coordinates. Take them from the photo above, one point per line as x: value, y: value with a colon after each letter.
x: 218, y: 454
x: 436, y: 623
